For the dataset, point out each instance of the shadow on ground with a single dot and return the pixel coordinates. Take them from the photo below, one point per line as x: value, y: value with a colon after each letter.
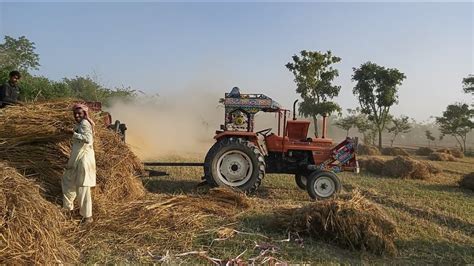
x: 168, y: 186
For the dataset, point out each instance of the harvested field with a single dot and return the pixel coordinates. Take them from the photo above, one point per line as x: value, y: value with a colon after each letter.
x: 173, y: 221
x: 350, y: 221
x: 396, y: 151
x: 439, y: 156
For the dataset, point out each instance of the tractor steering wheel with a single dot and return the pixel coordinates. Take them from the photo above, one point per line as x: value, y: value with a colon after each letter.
x: 264, y: 132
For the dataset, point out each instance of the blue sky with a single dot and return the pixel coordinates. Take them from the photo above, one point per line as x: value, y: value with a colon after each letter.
x: 168, y: 48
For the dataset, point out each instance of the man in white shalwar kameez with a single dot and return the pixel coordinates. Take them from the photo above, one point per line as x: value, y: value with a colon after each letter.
x: 80, y: 174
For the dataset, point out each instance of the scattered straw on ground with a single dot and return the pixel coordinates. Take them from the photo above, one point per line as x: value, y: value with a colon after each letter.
x: 439, y: 156
x: 352, y: 222
x: 31, y: 228
x: 368, y: 150
x: 155, y: 224
x: 467, y: 181
x: 400, y: 167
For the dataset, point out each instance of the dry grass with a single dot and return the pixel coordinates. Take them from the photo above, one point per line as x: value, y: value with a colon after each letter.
x: 352, y: 222
x: 32, y: 230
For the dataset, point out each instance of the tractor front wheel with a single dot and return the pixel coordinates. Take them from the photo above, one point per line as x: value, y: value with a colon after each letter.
x: 301, y: 181
x: 323, y: 185
x: 236, y: 163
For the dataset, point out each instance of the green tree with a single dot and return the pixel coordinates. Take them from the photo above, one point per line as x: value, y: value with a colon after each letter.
x: 35, y: 88
x: 399, y: 125
x: 348, y: 122
x: 468, y: 84
x: 376, y: 90
x: 314, y: 75
x: 17, y: 54
x: 87, y: 89
x: 457, y: 122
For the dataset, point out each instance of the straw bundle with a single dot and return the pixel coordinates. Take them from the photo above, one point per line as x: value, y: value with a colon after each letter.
x: 32, y: 139
x: 367, y: 150
x: 31, y: 228
x: 351, y: 222
x: 440, y: 156
x: 400, y: 167
x: 454, y: 152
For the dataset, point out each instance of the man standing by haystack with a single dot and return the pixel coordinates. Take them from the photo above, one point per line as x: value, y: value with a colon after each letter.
x: 9, y: 91
x: 80, y: 173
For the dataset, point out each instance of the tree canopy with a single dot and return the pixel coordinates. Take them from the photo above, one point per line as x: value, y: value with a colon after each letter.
x: 314, y: 75
x: 377, y: 91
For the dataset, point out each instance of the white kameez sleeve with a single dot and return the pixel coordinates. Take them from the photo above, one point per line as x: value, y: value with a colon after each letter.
x: 85, y: 134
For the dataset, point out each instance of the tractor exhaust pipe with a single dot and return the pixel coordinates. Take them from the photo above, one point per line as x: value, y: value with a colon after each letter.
x: 325, y: 115
x: 294, y: 109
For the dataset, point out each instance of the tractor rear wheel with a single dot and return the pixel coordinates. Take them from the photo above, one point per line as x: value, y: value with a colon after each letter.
x: 236, y: 163
x: 323, y: 185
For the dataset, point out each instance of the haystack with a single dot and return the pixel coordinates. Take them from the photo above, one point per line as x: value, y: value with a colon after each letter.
x: 352, y: 222
x: 440, y: 156
x: 424, y: 151
x: 454, y: 152
x: 374, y: 165
x: 32, y: 230
x: 457, y: 153
x: 400, y: 167
x: 34, y: 142
x: 367, y: 150
x: 394, y: 151
x: 467, y: 181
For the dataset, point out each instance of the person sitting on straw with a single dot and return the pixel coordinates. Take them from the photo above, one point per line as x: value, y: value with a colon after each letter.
x: 10, y: 91
x: 80, y: 174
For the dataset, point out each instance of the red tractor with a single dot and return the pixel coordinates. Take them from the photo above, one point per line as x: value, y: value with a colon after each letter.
x: 117, y: 127
x: 240, y: 158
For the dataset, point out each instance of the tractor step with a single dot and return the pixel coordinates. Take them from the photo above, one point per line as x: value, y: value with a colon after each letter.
x: 172, y: 164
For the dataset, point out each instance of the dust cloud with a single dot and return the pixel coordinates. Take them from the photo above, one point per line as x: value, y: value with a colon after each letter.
x: 170, y: 125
